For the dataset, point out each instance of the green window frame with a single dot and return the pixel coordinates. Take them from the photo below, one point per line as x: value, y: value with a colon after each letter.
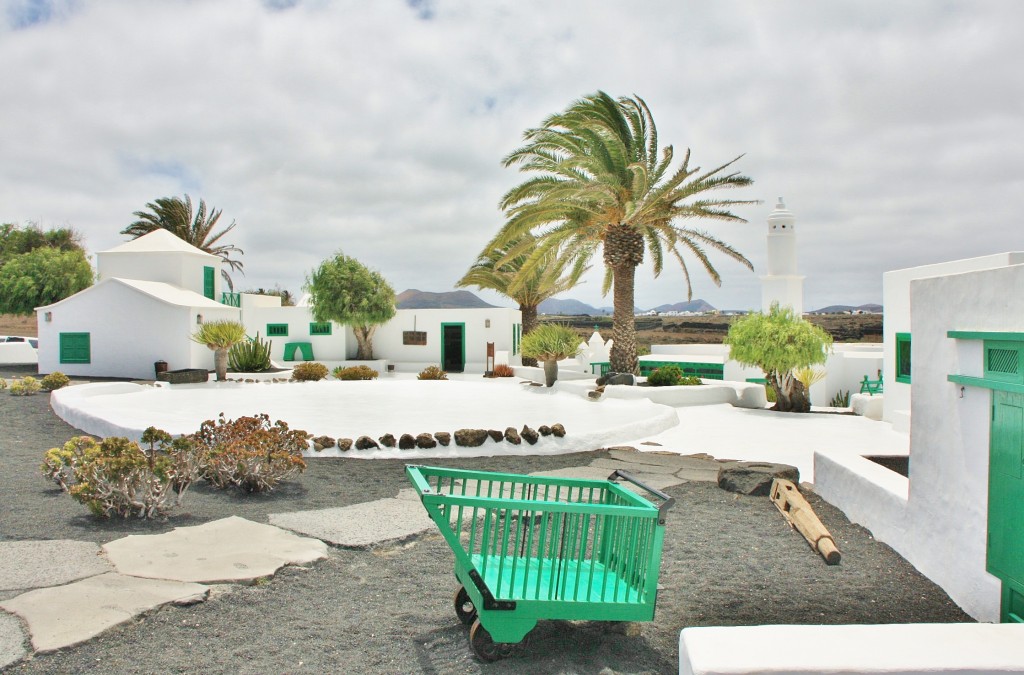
x: 903, y: 358
x: 321, y: 328
x: 75, y: 348
x: 277, y: 330
x: 208, y: 282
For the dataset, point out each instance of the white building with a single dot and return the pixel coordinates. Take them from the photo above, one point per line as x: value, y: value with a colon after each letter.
x: 959, y: 515
x: 782, y: 283
x: 154, y: 291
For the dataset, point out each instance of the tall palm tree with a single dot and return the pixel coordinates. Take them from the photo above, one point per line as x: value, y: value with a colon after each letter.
x: 495, y: 271
x: 175, y: 215
x: 601, y: 182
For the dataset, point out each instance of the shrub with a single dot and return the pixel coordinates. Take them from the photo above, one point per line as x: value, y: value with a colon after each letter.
x: 26, y: 386
x: 355, y: 373
x: 250, y: 356
x: 503, y: 370
x: 666, y: 376
x: 249, y: 452
x: 3, y: 384
x: 840, y: 400
x: 310, y: 371
x: 432, y: 373
x: 770, y: 393
x: 117, y: 477
x: 690, y: 381
x: 55, y: 380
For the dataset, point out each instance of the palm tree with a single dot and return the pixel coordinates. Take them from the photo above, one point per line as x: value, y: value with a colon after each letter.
x: 492, y: 270
x: 175, y: 215
x: 601, y: 182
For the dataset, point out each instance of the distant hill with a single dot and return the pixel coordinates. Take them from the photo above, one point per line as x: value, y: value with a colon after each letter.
x: 415, y: 299
x: 691, y: 306
x: 568, y: 307
x: 848, y: 309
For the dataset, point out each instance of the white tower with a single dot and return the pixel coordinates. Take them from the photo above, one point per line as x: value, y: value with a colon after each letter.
x: 782, y: 284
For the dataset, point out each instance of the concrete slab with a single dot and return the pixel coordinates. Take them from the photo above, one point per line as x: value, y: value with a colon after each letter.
x: 657, y: 481
x: 663, y: 459
x: 12, y: 640
x: 67, y: 615
x: 633, y: 467
x: 360, y: 525
x: 36, y: 564
x: 225, y: 550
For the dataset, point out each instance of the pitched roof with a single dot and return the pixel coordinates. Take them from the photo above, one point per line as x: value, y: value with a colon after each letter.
x: 158, y: 241
x: 172, y: 295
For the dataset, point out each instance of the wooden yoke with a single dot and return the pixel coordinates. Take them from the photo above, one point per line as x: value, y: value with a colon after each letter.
x: 799, y: 514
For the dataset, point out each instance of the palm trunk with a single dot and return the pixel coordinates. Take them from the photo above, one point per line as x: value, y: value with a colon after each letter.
x: 220, y: 364
x: 364, y: 340
x: 623, y: 355
x: 529, y: 323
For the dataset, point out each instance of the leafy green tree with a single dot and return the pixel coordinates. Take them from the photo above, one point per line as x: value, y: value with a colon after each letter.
x: 492, y: 270
x: 344, y: 290
x: 220, y: 336
x: 549, y: 343
x: 601, y: 182
x: 15, y: 240
x: 41, y: 277
x: 176, y: 216
x: 780, y: 343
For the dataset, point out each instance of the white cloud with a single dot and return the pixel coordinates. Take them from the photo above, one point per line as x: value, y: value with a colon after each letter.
x: 893, y: 131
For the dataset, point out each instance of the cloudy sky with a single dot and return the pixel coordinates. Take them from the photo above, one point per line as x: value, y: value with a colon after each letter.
x: 894, y: 130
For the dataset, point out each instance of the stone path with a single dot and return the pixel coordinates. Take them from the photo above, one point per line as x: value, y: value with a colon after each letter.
x: 60, y: 593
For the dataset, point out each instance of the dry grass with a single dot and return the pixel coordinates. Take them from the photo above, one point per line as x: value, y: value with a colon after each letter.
x: 12, y: 324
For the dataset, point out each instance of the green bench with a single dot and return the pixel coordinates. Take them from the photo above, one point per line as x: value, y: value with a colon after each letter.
x: 305, y: 348
x: 871, y: 387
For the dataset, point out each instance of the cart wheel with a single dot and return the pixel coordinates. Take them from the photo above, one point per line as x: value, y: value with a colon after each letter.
x: 464, y: 607
x: 484, y: 647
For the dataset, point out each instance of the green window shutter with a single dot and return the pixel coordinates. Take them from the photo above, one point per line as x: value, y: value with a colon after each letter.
x: 322, y: 328
x: 903, y: 358
x: 277, y: 330
x: 74, y: 348
x: 1003, y: 361
x: 208, y: 282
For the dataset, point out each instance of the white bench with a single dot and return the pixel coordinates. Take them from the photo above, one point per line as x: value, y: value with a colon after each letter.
x: 896, y: 649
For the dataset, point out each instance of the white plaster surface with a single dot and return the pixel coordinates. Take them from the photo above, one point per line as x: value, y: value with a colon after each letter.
x: 62, y: 616
x: 372, y: 408
x: 867, y: 405
x: 906, y: 649
x: 225, y: 550
x: 17, y: 354
x: 35, y: 564
x: 12, y: 640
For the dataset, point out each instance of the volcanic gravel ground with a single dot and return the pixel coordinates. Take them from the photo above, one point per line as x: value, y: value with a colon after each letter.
x: 728, y: 560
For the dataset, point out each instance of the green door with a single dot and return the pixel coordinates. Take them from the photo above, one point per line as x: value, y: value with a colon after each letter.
x: 208, y: 282
x: 1006, y: 499
x: 453, y: 347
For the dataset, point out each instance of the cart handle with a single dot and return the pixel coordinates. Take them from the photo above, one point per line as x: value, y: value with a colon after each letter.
x: 666, y: 503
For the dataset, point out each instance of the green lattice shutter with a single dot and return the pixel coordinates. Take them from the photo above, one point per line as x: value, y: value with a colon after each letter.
x: 74, y: 348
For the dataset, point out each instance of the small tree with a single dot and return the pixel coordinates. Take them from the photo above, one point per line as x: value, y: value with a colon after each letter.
x: 220, y: 336
x: 548, y: 343
x: 344, y: 290
x: 41, y: 277
x: 779, y: 342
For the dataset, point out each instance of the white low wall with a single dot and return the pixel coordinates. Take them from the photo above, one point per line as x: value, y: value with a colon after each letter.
x: 868, y: 493
x: 739, y: 394
x: 17, y: 354
x: 903, y: 649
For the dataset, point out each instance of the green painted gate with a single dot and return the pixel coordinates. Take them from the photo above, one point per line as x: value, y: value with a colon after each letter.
x: 1006, y: 501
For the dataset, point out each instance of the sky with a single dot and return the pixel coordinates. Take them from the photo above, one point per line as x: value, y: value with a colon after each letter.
x: 894, y: 131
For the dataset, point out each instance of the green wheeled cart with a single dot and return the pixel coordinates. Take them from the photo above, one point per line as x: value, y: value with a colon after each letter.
x: 530, y: 547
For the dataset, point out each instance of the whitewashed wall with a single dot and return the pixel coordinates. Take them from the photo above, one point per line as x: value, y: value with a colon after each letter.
x: 387, y: 341
x: 184, y: 270
x: 260, y: 310
x: 896, y: 300
x: 129, y: 332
